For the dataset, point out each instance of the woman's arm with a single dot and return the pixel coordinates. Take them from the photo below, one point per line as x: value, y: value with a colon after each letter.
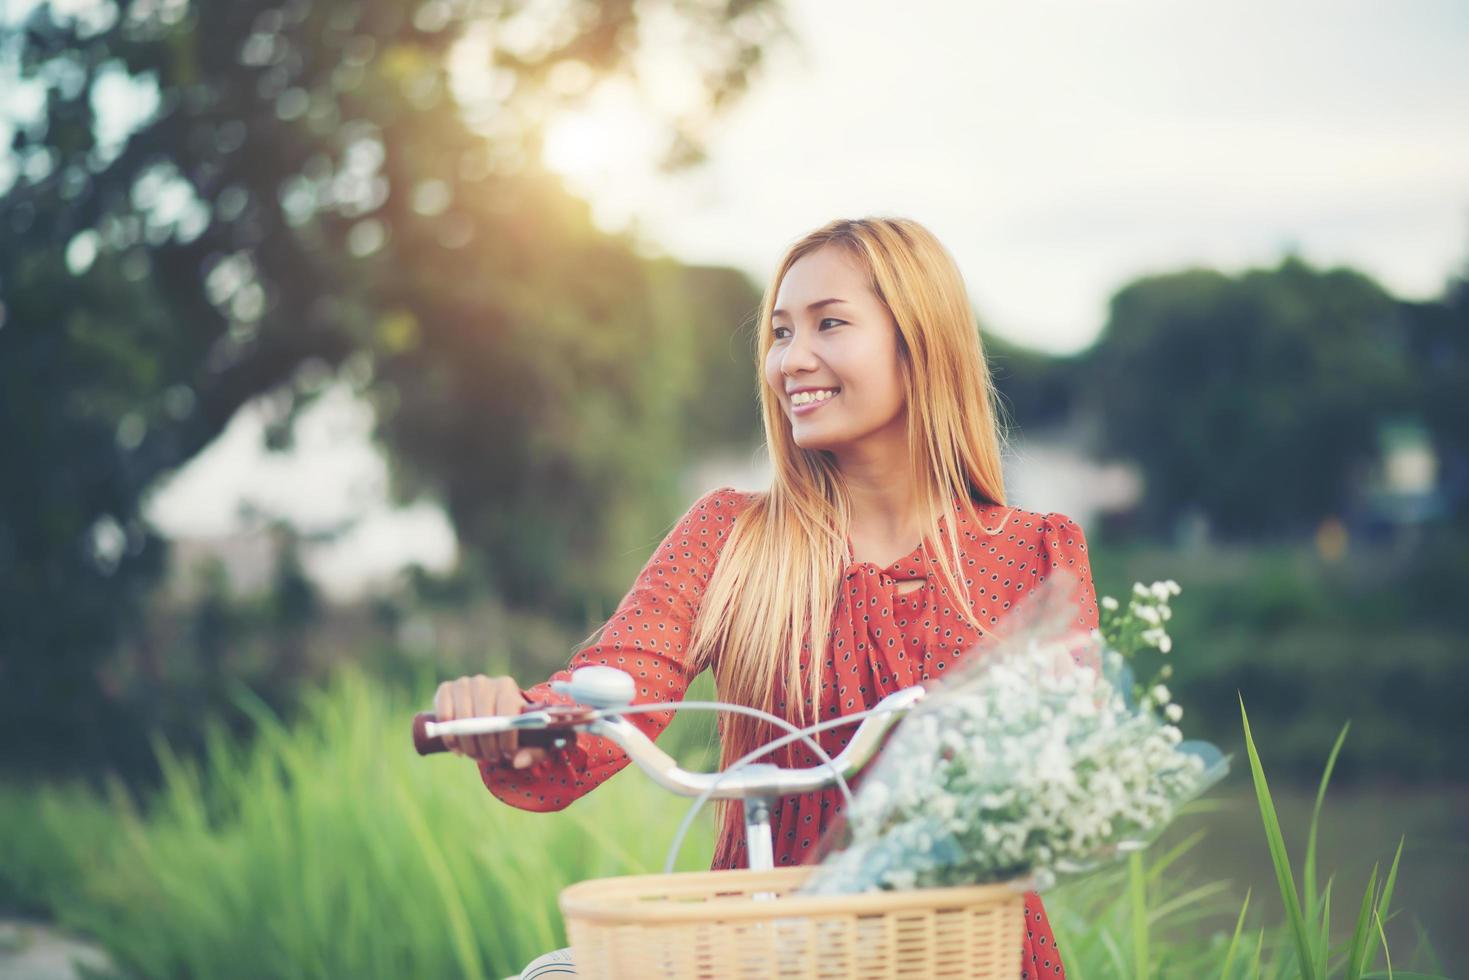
x: 647, y: 637
x: 1063, y: 546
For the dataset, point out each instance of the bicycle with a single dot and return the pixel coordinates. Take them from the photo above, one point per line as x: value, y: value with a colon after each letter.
x: 747, y: 922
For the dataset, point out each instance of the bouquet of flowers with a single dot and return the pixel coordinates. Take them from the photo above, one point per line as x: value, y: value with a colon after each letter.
x: 1040, y: 757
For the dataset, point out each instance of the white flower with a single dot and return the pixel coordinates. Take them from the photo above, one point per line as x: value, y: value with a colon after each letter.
x: 1108, y: 602
x: 1160, y: 591
x: 1141, y: 590
x: 1165, y: 643
x: 1028, y: 764
x: 1147, y: 614
x: 1173, y: 587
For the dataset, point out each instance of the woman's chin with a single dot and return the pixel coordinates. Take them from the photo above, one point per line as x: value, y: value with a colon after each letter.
x: 815, y: 442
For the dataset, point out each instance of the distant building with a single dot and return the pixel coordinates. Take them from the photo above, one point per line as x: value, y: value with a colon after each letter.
x: 1047, y: 470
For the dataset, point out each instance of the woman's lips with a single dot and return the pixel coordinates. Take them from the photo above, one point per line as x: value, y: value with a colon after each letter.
x: 810, y: 407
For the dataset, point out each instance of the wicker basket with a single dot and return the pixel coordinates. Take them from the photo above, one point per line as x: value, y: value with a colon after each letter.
x: 710, y: 924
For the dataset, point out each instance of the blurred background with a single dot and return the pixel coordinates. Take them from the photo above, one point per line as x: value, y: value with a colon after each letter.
x: 351, y: 345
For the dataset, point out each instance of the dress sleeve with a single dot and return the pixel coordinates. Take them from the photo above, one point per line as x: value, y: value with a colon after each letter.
x: 1064, y: 545
x: 647, y: 637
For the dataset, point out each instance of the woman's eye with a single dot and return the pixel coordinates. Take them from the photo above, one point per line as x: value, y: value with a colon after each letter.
x: 780, y: 333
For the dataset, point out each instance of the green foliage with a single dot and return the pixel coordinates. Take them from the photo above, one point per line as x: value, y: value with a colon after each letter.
x: 1439, y: 343
x: 52, y: 832
x: 330, y: 849
x: 1308, y: 643
x: 1253, y: 398
x: 1035, y: 389
x: 310, y: 199
x: 1309, y: 920
x: 1140, y: 917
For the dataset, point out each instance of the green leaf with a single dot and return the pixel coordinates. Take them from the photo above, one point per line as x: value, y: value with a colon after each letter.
x: 1323, y: 929
x: 1157, y: 867
x: 1310, y: 870
x: 1392, y: 878
x: 1390, y: 973
x: 1360, y: 934
x: 1259, y: 948
x: 1278, y: 855
x: 1137, y: 887
x: 1239, y: 924
x: 1386, y: 954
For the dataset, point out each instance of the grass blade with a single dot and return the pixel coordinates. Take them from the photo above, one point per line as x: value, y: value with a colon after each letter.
x: 1323, y: 930
x: 1178, y: 903
x: 1227, y: 972
x: 1392, y: 878
x: 1383, y: 936
x: 1278, y: 856
x: 1155, y: 871
x: 1259, y: 948
x: 1137, y: 887
x: 1425, y: 948
x: 1309, y: 885
x: 1360, y: 934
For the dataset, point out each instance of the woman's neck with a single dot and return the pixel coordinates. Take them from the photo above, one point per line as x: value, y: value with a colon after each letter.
x: 882, y: 495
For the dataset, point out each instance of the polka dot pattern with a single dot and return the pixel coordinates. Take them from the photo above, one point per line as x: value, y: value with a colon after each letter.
x: 881, y: 639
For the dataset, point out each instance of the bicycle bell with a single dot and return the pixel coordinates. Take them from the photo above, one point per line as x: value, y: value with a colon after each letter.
x: 600, y: 687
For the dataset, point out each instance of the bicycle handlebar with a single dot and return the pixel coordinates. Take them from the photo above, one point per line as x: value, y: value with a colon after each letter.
x: 539, y: 726
x: 553, y: 725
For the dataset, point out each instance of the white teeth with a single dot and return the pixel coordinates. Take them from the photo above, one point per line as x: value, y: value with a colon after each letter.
x: 808, y: 397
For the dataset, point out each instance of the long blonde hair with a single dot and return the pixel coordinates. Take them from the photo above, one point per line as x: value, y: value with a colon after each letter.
x: 776, y: 584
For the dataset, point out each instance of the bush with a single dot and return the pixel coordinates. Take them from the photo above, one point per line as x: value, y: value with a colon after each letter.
x: 329, y: 849
x: 1310, y: 645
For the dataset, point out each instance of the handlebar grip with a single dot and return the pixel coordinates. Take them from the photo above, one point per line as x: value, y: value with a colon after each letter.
x: 421, y: 740
x: 539, y: 738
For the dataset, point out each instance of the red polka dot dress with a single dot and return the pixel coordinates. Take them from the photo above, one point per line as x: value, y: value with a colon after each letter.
x: 881, y: 640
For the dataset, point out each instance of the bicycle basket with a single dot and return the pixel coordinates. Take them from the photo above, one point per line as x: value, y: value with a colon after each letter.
x: 713, y: 924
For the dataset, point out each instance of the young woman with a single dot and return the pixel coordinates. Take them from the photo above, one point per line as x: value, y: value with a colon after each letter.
x: 885, y: 522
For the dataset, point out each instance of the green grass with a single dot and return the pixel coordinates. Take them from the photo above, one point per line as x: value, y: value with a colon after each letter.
x: 330, y: 848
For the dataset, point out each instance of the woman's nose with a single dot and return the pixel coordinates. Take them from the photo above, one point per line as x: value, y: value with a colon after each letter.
x: 798, y: 356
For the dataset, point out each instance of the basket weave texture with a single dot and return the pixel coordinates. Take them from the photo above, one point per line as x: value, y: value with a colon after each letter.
x: 746, y: 924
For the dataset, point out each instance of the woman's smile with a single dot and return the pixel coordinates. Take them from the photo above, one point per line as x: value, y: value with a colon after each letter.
x: 808, y: 400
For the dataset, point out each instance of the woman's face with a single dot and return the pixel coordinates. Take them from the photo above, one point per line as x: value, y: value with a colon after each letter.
x: 834, y: 367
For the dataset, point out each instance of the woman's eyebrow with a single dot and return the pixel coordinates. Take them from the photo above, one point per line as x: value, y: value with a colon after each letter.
x: 814, y: 306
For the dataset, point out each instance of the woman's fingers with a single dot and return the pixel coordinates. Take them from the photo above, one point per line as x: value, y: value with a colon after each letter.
x: 482, y: 695
x: 508, y: 702
x: 479, y: 696
x: 527, y: 757
x: 444, y: 711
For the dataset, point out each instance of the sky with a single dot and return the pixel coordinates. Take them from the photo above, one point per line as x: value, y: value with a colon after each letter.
x: 1058, y: 149
x: 1061, y: 149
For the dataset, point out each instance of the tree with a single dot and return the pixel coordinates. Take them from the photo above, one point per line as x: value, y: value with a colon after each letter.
x: 312, y: 196
x: 1253, y: 398
x: 1439, y: 347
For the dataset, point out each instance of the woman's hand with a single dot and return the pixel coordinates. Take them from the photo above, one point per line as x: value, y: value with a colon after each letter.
x: 470, y: 697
